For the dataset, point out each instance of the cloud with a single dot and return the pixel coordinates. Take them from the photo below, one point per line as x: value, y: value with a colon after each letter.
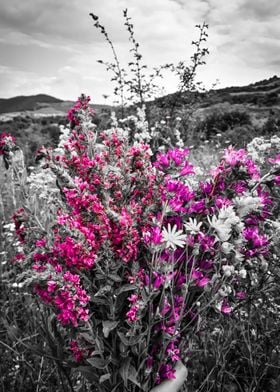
x: 244, y: 38
x: 53, y: 45
x: 260, y: 9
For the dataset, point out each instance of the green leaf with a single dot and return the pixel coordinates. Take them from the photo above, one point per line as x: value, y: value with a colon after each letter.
x: 124, y: 370
x: 99, y: 343
x: 103, y: 290
x: 124, y: 340
x: 98, y: 363
x: 99, y: 301
x: 115, y: 278
x: 126, y: 287
x: 116, y: 387
x: 131, y: 341
x: 88, y: 373
x: 104, y: 378
x: 108, y: 326
x: 132, y: 376
x: 89, y: 338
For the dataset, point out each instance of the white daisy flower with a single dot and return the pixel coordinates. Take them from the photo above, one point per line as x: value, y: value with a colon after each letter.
x: 246, y: 204
x: 226, y: 248
x: 173, y: 238
x: 223, y: 224
x: 228, y: 214
x: 222, y: 228
x: 193, y: 226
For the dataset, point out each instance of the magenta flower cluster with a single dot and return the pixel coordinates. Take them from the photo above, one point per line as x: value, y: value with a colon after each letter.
x: 75, y: 114
x: 7, y: 142
x: 137, y: 249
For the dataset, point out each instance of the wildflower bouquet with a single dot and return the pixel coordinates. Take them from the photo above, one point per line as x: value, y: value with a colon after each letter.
x: 136, y: 257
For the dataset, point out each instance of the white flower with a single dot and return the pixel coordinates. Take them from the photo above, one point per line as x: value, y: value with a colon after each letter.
x: 243, y: 273
x: 223, y: 229
x: 226, y: 248
x: 228, y: 214
x: 225, y: 291
x: 173, y: 237
x: 198, y: 171
x: 192, y: 226
x: 224, y: 222
x: 246, y: 204
x: 228, y: 270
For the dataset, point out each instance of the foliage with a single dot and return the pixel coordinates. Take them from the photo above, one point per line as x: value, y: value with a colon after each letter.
x: 271, y: 126
x: 32, y: 133
x: 220, y: 122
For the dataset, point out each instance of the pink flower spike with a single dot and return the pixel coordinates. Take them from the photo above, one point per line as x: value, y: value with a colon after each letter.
x: 187, y: 169
x: 40, y: 243
x: 275, y: 161
x: 226, y: 308
x: 51, y: 286
x: 241, y: 295
x: 156, y: 236
x: 197, y: 274
x: 203, y: 282
x: 133, y: 298
x: 167, y: 372
x: 232, y: 156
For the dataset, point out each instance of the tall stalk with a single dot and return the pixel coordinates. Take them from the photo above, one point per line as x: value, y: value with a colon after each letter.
x: 119, y: 71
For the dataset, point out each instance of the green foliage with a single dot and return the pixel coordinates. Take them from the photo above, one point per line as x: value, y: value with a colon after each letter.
x: 32, y: 133
x: 28, y: 362
x: 271, y: 126
x: 220, y: 122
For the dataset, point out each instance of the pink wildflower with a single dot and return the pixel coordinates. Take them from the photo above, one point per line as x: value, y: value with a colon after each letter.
x: 132, y: 313
x: 173, y: 352
x: 167, y: 372
x: 77, y: 352
x: 275, y: 161
x: 226, y: 308
x: 232, y: 156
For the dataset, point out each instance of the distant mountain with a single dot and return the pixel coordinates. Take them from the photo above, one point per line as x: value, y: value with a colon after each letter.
x: 259, y: 100
x: 22, y: 103
x: 264, y: 93
x: 266, y: 85
x: 261, y: 95
x: 38, y: 105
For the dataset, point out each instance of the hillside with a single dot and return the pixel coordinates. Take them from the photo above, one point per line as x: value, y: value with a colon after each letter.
x: 23, y: 103
x: 263, y: 93
x: 36, y: 106
x: 260, y: 95
x: 239, y: 113
x: 259, y: 100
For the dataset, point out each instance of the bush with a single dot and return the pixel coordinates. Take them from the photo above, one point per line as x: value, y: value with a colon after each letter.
x: 140, y: 262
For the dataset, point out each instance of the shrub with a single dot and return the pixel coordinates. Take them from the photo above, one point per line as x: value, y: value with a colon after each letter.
x: 136, y: 261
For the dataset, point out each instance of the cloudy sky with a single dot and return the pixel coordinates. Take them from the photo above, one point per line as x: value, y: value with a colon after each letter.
x: 51, y: 46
